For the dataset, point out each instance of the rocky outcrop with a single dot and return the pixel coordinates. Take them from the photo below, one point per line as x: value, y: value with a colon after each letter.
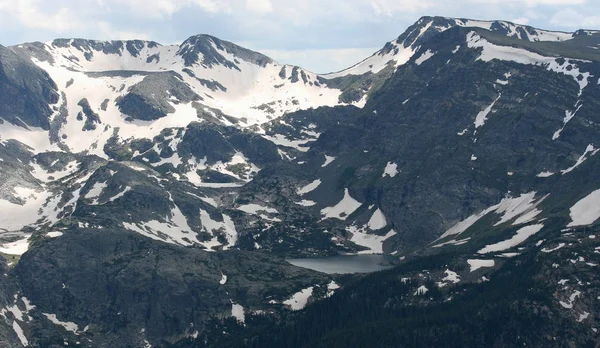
x: 27, y: 91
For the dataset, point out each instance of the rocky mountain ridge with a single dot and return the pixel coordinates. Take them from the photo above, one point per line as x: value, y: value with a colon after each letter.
x: 468, y: 147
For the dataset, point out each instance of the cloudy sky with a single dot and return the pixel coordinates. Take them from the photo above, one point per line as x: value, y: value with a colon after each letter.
x: 320, y: 35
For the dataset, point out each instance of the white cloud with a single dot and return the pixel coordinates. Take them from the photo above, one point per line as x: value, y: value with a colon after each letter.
x: 107, y: 31
x: 534, y: 15
x: 521, y: 20
x: 390, y: 7
x: 166, y: 8
x: 532, y: 3
x: 259, y: 6
x: 573, y: 19
x: 30, y: 15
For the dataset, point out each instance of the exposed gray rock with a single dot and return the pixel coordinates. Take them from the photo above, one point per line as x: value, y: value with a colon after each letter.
x: 91, y: 118
x: 27, y: 91
x: 151, y: 99
x: 125, y: 287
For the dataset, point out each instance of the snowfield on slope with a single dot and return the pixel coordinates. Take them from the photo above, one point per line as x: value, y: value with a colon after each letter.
x: 246, y: 88
x: 586, y: 211
x: 522, y: 209
x: 476, y: 264
x: 300, y: 299
x: 341, y: 210
x: 521, y: 235
x: 492, y: 51
x: 398, y: 53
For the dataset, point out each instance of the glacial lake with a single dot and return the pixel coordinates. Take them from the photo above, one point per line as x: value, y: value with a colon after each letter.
x: 343, y: 264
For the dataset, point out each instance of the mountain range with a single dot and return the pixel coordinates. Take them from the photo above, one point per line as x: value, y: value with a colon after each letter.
x: 150, y: 194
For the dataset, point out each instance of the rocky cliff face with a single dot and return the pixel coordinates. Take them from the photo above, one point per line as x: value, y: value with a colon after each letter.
x: 123, y: 289
x: 27, y: 92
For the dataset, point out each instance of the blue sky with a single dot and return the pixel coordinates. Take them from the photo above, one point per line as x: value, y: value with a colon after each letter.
x: 320, y: 35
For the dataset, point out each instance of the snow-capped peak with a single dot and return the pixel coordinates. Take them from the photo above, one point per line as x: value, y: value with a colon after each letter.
x: 399, y: 51
x: 207, y: 50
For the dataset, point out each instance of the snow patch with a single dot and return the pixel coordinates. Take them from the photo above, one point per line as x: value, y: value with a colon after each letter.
x: 215, y: 228
x: 453, y: 242
x: 306, y: 203
x: 282, y: 140
x: 586, y: 211
x: 523, y: 208
x: 67, y: 325
x: 545, y: 174
x: 255, y: 209
x: 237, y: 311
x: 572, y: 298
x: 299, y: 300
x: 559, y: 246
x: 328, y: 160
x: 583, y: 316
x: 95, y: 192
x: 20, y: 333
x: 588, y: 150
x: 425, y: 56
x: 482, y: 115
x: 373, y: 242
x: 18, y: 247
x: 16, y: 216
x: 331, y: 287
x: 521, y: 56
x: 422, y: 290
x: 54, y: 234
x: 173, y: 228
x: 515, y: 207
x: 309, y: 188
x: 477, y: 264
x: 377, y: 220
x: 568, y: 116
x: 120, y: 194
x: 341, y: 210
x: 521, y: 235
x: 451, y: 277
x: 391, y: 170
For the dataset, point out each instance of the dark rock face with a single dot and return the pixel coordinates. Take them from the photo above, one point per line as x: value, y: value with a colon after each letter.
x: 423, y: 121
x: 126, y: 288
x: 201, y: 142
x: 91, y: 118
x: 523, y: 295
x: 413, y: 36
x: 219, y: 143
x: 27, y: 91
x: 213, y: 85
x: 33, y: 49
x: 517, y: 137
x: 134, y: 47
x: 149, y: 99
x: 8, y: 287
x: 107, y: 47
